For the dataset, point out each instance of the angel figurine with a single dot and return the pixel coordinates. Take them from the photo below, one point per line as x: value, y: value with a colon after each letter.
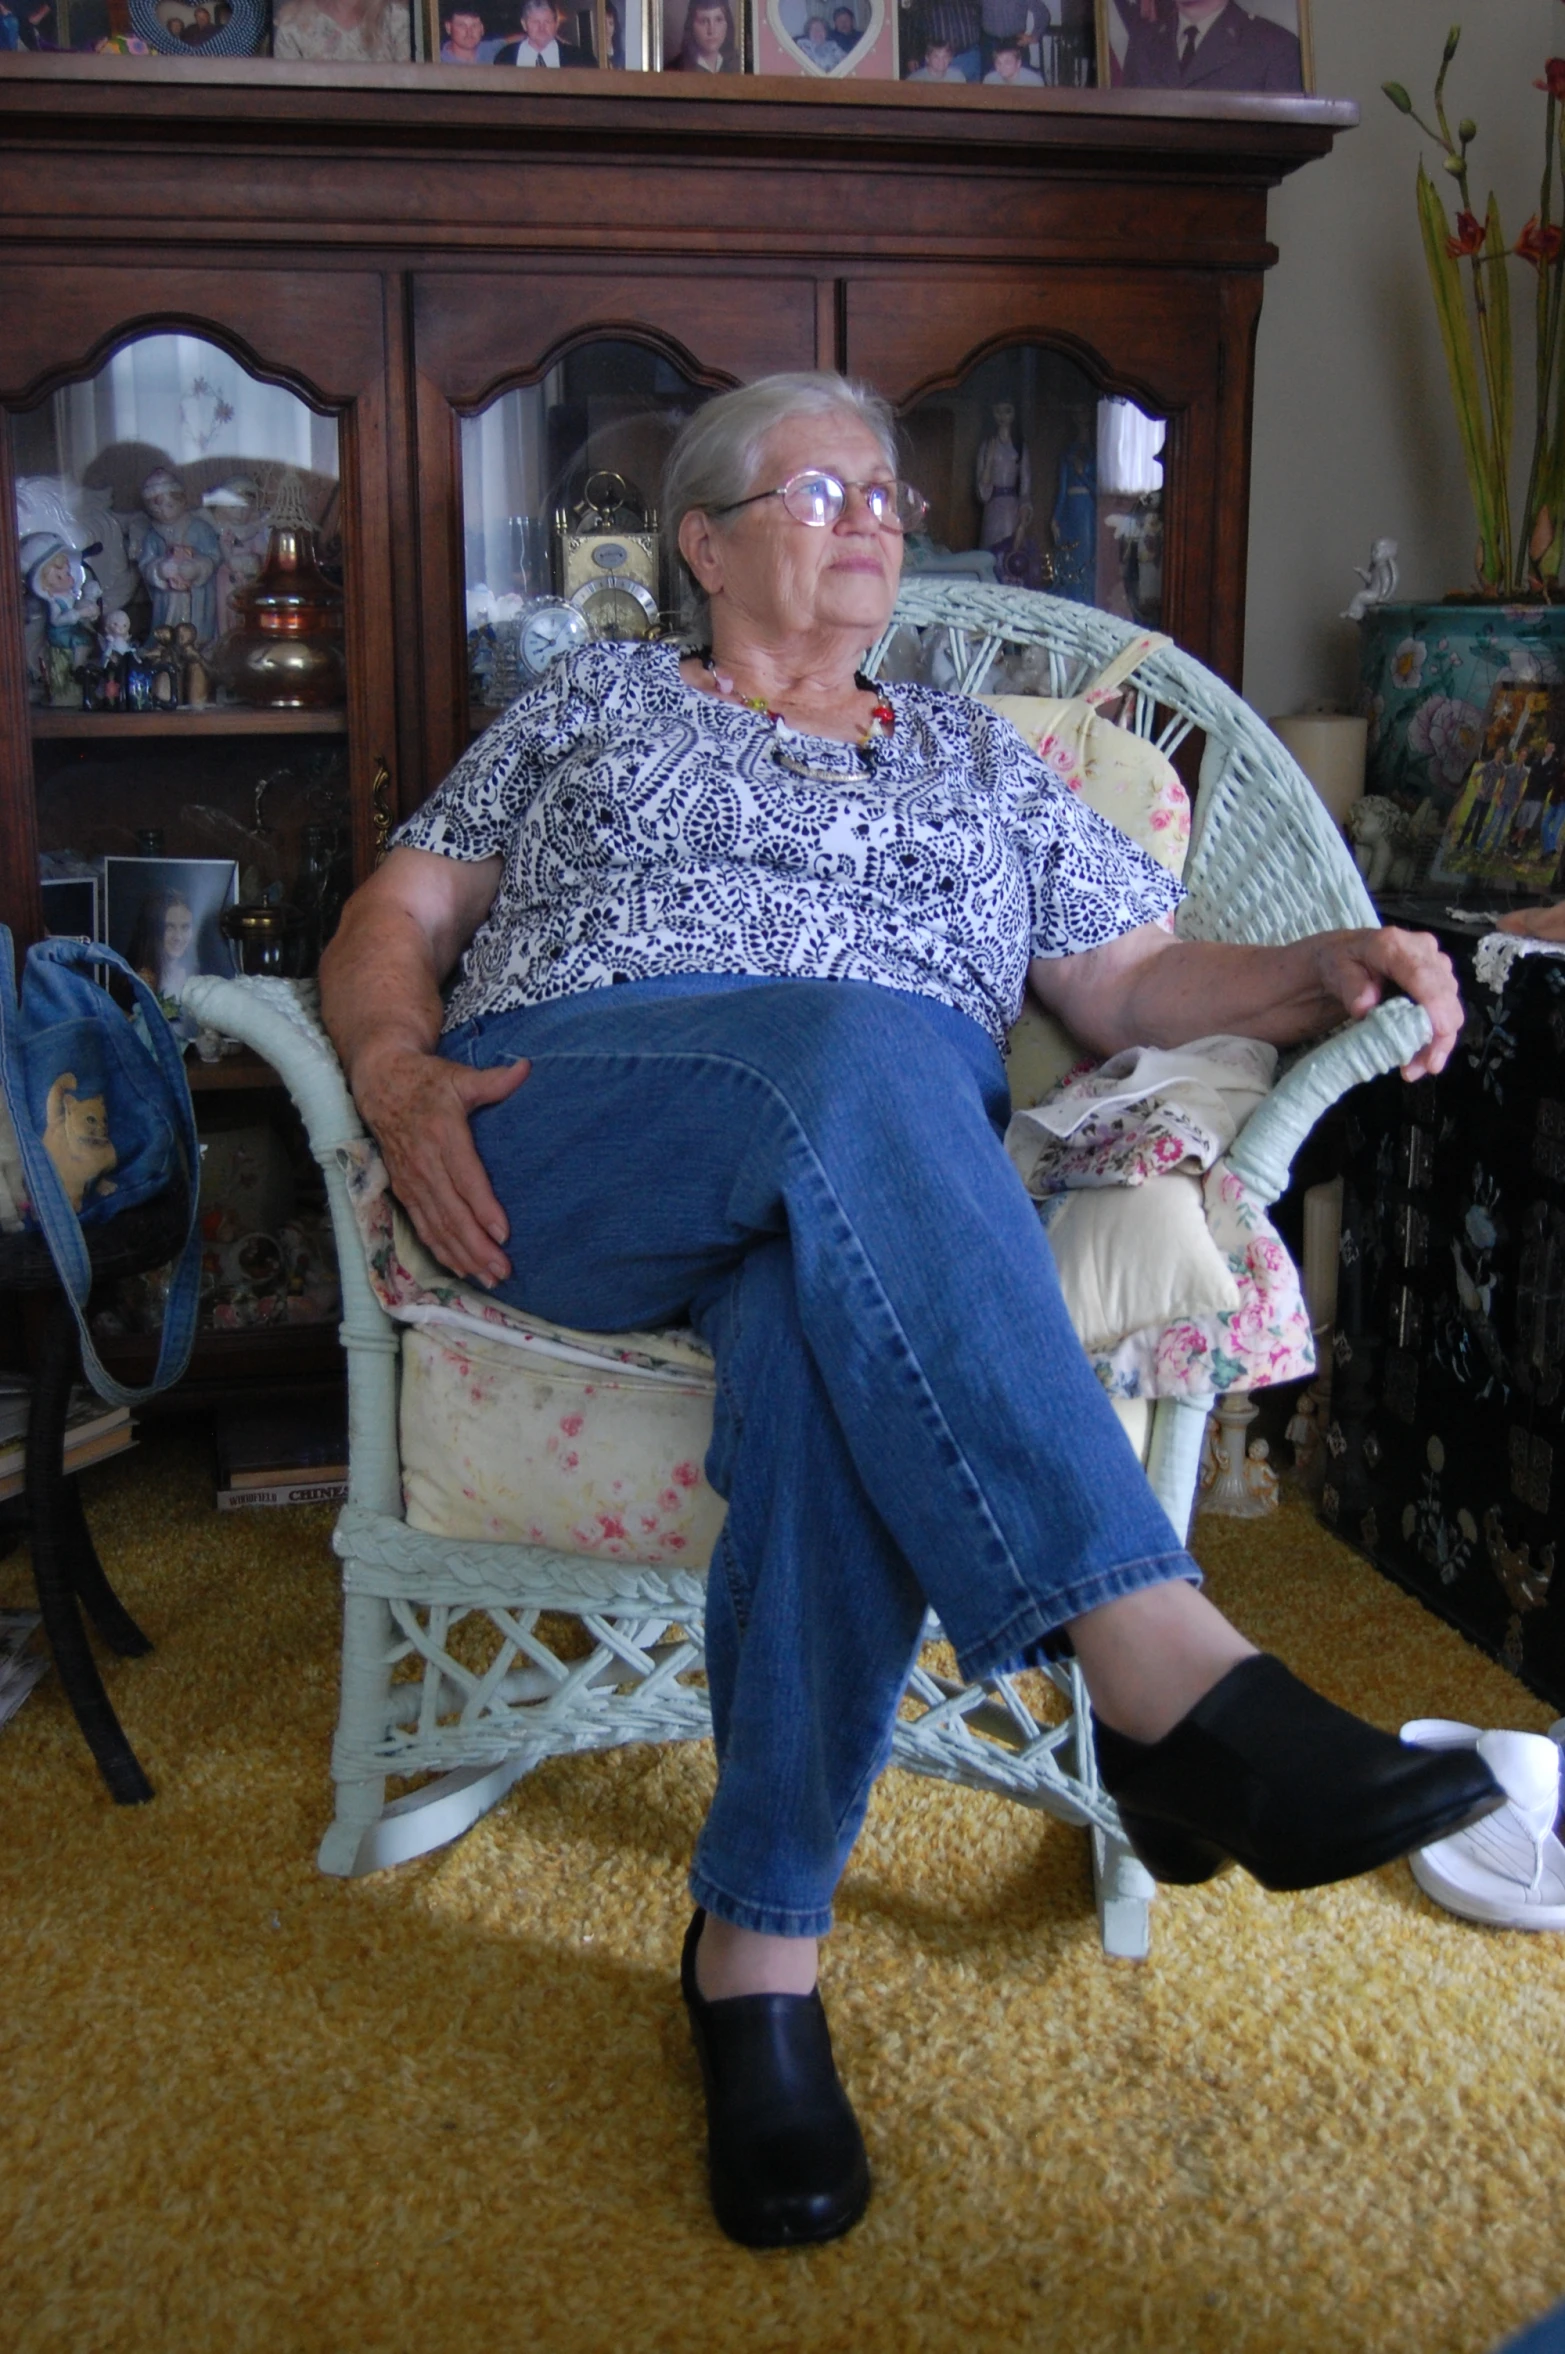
x: 1379, y: 577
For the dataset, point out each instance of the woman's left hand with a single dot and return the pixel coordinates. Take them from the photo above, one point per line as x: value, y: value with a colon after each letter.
x: 1356, y: 969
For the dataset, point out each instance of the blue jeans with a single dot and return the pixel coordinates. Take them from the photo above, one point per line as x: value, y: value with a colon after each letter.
x: 811, y: 1173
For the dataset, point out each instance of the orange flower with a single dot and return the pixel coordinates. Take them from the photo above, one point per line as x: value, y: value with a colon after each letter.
x: 1554, y: 78
x: 1469, y: 236
x: 1537, y: 245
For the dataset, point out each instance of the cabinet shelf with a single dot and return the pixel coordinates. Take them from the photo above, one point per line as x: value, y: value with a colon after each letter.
x: 228, y: 719
x: 235, y: 1071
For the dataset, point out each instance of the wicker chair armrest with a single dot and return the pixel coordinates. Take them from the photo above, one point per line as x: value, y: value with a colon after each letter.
x: 281, y: 1021
x: 1383, y: 1041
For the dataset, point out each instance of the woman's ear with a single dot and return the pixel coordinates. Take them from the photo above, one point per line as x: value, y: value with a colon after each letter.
x: 701, y: 548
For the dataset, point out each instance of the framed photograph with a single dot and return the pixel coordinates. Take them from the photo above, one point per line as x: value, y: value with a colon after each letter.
x: 190, y: 28
x: 367, y: 32
x: 836, y: 40
x: 1507, y: 827
x: 703, y: 36
x: 1010, y: 44
x: 1204, y: 45
x: 162, y: 914
x: 70, y: 907
x: 523, y: 33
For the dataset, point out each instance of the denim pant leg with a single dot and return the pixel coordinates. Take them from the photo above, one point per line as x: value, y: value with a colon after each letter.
x: 812, y: 1621
x: 665, y: 1138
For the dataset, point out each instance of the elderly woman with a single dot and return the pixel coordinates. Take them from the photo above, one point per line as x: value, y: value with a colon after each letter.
x: 736, y: 937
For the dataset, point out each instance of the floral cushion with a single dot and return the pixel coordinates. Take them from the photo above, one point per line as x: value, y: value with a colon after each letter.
x: 500, y: 1442
x: 1264, y: 1340
x: 1126, y: 779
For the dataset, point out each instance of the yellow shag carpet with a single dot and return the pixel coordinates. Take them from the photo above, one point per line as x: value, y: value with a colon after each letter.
x: 454, y: 2107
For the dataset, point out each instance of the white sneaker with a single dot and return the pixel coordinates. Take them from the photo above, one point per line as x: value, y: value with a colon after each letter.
x: 1509, y: 1869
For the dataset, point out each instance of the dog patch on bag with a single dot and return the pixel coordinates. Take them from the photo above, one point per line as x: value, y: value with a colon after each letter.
x: 76, y: 1138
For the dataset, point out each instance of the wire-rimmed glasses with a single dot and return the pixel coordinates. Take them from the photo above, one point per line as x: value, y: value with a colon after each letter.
x: 818, y: 499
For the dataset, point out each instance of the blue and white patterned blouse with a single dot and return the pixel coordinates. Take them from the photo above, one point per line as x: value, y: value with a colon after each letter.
x: 648, y: 829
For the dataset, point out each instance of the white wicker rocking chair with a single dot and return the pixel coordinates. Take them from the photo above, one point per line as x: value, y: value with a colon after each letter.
x: 1265, y: 864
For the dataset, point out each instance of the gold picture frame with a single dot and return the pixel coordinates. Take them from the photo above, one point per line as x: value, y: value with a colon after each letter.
x: 1154, y: 62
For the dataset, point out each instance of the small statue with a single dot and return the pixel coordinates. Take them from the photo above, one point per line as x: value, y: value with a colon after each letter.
x: 195, y: 680
x: 244, y: 530
x: 61, y: 612
x: 180, y: 553
x: 1240, y: 1483
x: 114, y: 658
x: 1003, y: 480
x: 165, y: 669
x: 1304, y: 1436
x: 1379, y: 577
x: 1386, y: 842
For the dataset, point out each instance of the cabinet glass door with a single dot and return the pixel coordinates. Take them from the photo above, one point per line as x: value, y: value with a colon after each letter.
x: 179, y: 539
x: 560, y: 513
x: 1036, y: 478
x: 178, y: 527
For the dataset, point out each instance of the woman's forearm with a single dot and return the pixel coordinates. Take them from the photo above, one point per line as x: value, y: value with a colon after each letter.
x: 1149, y: 989
x: 400, y: 934
x: 1198, y: 988
x: 379, y: 986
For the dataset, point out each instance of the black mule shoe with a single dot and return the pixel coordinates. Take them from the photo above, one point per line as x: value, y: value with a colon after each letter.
x: 1265, y: 1773
x: 786, y: 2155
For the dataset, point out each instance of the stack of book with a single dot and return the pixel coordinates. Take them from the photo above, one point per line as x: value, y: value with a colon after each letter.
x: 92, y: 1431
x: 280, y: 1456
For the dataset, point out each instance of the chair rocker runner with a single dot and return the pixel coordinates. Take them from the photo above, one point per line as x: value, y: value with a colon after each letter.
x: 1265, y: 865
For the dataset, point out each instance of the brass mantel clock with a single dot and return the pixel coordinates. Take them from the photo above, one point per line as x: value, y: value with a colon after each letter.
x: 606, y: 556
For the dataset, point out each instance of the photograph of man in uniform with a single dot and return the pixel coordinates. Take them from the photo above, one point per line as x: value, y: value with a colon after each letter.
x: 1206, y: 45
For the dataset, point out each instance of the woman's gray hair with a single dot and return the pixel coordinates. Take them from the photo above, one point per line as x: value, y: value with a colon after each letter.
x: 715, y: 457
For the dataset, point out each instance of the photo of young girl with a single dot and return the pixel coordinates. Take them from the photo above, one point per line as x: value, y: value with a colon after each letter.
x: 162, y: 914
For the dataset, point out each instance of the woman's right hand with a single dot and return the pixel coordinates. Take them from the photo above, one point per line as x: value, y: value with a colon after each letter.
x: 420, y: 1108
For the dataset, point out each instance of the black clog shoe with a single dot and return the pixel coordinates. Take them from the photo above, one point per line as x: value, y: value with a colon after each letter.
x: 787, y: 2159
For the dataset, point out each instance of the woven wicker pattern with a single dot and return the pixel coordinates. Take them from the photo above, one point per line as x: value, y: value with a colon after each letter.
x: 476, y: 1661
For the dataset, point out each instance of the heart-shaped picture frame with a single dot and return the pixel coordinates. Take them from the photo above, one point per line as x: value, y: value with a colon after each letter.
x: 868, y: 54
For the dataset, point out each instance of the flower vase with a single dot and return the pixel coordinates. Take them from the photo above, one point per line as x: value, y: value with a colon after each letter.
x: 1427, y: 672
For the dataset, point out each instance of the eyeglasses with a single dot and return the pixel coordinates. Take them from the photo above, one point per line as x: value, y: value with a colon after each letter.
x: 818, y: 500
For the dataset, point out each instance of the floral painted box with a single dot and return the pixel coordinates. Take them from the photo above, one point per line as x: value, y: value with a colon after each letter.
x: 1427, y: 674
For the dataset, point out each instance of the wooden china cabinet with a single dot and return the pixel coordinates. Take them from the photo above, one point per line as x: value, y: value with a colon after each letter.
x: 475, y: 297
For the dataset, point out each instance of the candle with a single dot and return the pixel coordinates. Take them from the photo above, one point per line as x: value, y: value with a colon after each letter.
x: 1329, y: 747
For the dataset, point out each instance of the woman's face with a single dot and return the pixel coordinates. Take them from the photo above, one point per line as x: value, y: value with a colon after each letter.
x: 178, y: 929
x: 708, y: 31
x: 785, y: 579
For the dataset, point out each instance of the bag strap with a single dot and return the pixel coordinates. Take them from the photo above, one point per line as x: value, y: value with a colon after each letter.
x: 1109, y: 680
x: 58, y: 1222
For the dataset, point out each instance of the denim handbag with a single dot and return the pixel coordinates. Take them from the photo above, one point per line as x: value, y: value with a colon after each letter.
x: 103, y: 1121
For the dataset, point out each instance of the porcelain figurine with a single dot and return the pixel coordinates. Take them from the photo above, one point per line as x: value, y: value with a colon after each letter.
x: 244, y: 529
x: 61, y: 613
x: 1003, y: 479
x: 1379, y: 578
x: 180, y: 554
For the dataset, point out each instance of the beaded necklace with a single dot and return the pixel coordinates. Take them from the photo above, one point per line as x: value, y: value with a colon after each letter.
x: 881, y: 720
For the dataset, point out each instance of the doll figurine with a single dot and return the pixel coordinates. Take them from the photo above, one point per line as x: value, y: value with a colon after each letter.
x: 244, y: 530
x: 61, y: 611
x: 180, y: 554
x: 1003, y: 480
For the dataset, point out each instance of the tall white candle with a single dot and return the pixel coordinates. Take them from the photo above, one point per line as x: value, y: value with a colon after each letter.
x: 1329, y: 747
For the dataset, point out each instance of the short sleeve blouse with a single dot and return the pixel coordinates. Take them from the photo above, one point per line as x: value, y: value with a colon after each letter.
x: 647, y: 829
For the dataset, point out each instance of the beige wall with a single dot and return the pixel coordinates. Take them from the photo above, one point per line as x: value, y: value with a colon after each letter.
x: 1354, y: 436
